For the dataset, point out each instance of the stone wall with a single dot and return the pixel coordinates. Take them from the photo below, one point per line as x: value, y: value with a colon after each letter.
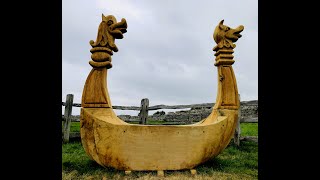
x: 249, y: 109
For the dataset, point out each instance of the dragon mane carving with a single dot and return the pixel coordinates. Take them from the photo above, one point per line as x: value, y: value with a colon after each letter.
x: 109, y: 30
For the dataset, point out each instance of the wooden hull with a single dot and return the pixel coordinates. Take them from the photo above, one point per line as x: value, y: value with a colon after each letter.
x: 113, y: 143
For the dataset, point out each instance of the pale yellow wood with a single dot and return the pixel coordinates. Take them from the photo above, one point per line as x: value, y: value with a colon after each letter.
x: 112, y: 142
x: 95, y: 92
x: 193, y: 172
x: 160, y: 173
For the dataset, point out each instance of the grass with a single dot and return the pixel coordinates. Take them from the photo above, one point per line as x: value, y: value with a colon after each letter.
x: 249, y: 129
x: 232, y: 163
x: 154, y: 122
x: 74, y: 126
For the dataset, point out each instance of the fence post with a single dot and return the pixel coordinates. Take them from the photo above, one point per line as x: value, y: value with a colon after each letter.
x: 237, y: 132
x: 67, y: 117
x: 143, y: 115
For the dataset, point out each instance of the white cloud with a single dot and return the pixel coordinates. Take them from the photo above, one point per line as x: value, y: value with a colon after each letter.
x: 123, y: 8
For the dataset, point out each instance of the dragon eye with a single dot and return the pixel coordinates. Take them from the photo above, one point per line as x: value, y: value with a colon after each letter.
x: 227, y: 28
x: 110, y: 22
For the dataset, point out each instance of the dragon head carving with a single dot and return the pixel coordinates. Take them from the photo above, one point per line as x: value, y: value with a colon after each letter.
x: 109, y: 30
x: 225, y: 36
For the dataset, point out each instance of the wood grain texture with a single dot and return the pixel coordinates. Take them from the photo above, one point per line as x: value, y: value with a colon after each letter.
x: 143, y: 115
x: 237, y: 132
x: 95, y: 93
x: 67, y: 116
x: 152, y: 147
x: 112, y: 142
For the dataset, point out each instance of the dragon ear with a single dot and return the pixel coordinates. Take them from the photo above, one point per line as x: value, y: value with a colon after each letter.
x: 104, y: 18
x: 221, y: 24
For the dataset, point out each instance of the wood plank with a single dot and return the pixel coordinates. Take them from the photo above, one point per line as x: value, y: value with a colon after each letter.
x: 160, y: 173
x: 193, y: 172
x: 67, y: 115
x: 143, y: 115
x: 237, y: 131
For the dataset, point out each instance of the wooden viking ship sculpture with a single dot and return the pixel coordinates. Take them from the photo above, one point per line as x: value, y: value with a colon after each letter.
x: 111, y: 142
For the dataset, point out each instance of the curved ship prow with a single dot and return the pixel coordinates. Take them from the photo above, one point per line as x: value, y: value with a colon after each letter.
x: 111, y: 142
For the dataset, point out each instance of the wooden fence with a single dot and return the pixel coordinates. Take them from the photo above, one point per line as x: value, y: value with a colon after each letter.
x: 143, y: 115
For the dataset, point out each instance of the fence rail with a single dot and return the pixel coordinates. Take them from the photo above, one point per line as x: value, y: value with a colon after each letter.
x: 249, y: 120
x: 67, y: 118
x: 157, y: 107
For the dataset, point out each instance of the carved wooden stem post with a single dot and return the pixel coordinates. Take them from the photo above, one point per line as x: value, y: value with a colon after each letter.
x: 227, y: 96
x: 95, y: 92
x: 226, y: 99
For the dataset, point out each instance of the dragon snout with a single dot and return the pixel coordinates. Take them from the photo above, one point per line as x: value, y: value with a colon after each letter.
x: 118, y: 29
x: 238, y: 30
x: 234, y: 34
x: 122, y: 25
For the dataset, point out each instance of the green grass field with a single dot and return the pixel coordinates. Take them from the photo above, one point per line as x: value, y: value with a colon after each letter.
x: 233, y: 163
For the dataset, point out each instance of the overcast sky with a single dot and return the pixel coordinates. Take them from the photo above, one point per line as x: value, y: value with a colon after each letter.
x: 166, y: 54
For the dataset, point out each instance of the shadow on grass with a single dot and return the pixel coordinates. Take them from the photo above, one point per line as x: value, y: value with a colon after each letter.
x: 90, y: 167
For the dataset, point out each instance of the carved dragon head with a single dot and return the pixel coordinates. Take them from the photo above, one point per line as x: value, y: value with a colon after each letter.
x: 109, y: 30
x: 225, y: 36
